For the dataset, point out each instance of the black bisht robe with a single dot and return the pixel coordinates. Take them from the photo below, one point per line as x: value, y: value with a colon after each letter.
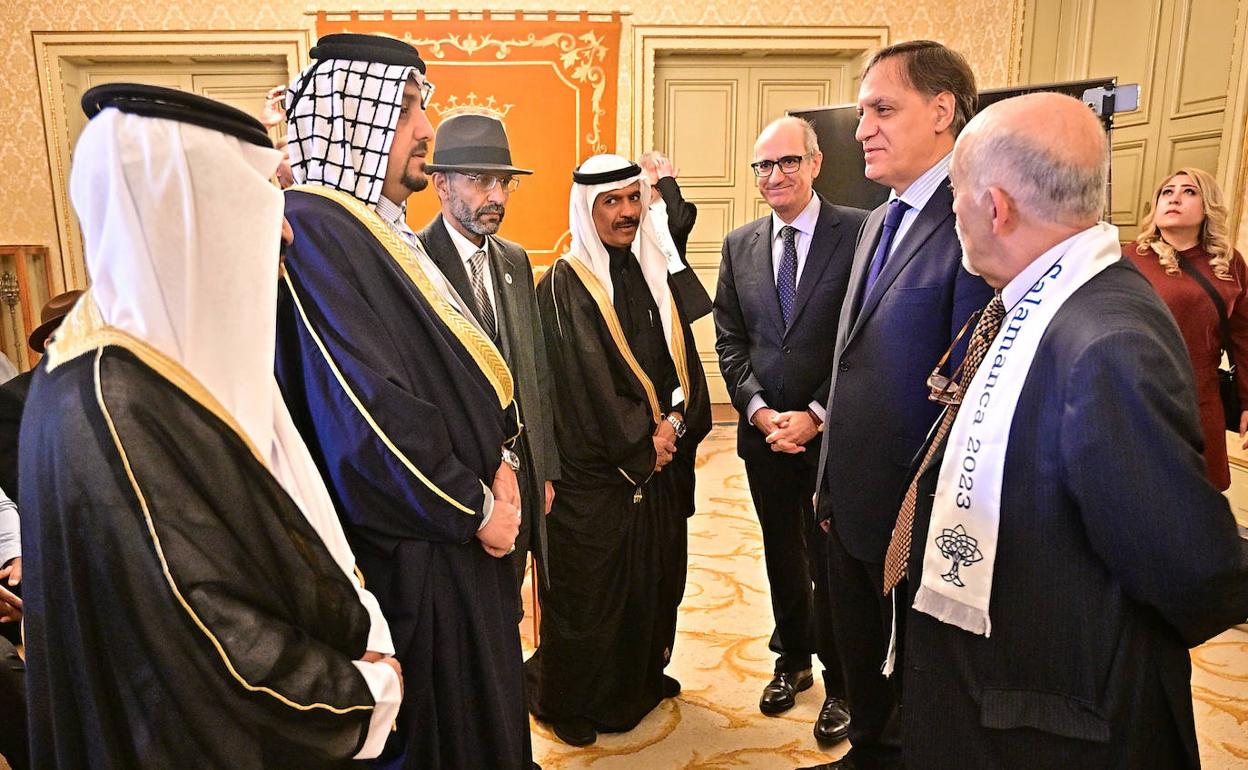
x: 405, y: 425
x: 180, y: 610
x: 617, y: 530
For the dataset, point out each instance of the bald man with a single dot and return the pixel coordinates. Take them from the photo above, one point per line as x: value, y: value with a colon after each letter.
x: 1067, y: 548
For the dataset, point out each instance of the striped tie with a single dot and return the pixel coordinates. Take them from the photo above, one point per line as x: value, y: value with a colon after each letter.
x: 976, y: 349
x: 485, y: 310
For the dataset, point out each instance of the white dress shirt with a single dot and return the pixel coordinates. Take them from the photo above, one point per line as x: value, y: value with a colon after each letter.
x: 804, y: 223
x: 10, y: 530
x: 466, y: 249
x: 917, y: 195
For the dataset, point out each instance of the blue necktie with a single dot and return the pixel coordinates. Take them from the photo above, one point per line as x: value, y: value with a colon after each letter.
x: 786, y: 280
x: 892, y: 218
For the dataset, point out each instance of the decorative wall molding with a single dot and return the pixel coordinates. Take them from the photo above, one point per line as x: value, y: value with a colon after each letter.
x: 650, y: 42
x: 55, y: 49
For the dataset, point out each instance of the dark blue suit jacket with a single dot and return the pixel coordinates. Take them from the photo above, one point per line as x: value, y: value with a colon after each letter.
x: 878, y: 411
x: 1115, y: 554
x: 789, y: 367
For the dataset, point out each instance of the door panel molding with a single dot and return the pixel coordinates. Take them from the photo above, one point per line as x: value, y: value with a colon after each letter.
x: 651, y: 41
x: 57, y: 52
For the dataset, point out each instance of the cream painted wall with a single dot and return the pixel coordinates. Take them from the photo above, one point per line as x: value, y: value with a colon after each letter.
x: 981, y: 29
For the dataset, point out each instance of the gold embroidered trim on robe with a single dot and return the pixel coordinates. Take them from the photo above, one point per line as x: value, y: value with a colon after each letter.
x: 363, y: 410
x: 599, y: 294
x: 83, y: 330
x: 483, y: 352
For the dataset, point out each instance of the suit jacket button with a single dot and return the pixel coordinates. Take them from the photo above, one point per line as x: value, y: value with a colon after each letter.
x: 844, y: 367
x: 786, y: 349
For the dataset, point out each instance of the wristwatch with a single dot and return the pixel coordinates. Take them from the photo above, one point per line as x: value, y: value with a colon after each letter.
x: 512, y: 459
x: 677, y: 424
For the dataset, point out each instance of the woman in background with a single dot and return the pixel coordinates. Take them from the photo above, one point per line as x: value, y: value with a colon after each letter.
x: 1187, y: 230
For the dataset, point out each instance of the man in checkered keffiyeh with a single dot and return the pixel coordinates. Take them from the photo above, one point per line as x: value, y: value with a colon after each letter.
x: 405, y: 404
x: 342, y: 114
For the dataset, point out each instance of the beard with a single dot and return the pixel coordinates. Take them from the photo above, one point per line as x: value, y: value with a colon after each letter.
x: 415, y: 179
x: 472, y: 219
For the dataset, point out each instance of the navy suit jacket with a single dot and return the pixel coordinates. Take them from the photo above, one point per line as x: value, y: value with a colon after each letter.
x: 757, y: 354
x: 878, y: 413
x: 1114, y: 555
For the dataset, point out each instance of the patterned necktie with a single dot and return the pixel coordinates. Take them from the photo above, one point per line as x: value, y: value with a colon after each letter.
x: 976, y: 349
x: 485, y: 310
x: 786, y: 279
x: 892, y: 220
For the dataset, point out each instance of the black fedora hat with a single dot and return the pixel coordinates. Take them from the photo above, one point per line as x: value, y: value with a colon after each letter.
x: 471, y: 142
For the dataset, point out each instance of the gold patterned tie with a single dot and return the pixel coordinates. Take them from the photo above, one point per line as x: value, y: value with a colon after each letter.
x: 976, y: 349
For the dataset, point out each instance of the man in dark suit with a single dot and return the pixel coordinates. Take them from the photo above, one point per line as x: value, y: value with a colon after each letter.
x: 473, y: 176
x: 908, y: 297
x: 781, y: 283
x: 672, y: 218
x: 1089, y: 541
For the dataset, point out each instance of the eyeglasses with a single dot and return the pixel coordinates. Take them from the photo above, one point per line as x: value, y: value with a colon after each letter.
x: 948, y: 390
x: 486, y: 182
x: 788, y: 164
x: 426, y: 93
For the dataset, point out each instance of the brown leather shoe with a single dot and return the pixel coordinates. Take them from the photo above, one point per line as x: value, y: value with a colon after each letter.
x: 832, y: 726
x: 780, y: 694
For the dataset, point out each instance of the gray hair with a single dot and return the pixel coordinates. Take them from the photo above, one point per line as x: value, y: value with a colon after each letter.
x: 1048, y: 185
x: 809, y: 139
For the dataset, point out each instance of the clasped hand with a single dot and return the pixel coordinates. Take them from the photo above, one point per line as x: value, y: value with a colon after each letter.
x: 498, y: 536
x: 664, y: 439
x: 787, y: 432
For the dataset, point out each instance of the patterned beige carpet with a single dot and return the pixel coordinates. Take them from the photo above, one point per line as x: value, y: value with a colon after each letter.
x: 721, y: 658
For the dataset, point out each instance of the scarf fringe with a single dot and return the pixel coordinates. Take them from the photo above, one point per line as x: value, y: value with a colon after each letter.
x: 952, y: 611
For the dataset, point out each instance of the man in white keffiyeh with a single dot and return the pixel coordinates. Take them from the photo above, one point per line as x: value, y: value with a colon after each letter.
x: 1068, y: 547
x: 632, y: 407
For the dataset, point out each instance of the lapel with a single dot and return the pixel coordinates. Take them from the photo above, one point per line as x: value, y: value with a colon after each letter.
x: 867, y: 239
x: 440, y: 247
x: 507, y: 304
x: 761, y: 274
x: 822, y: 246
x: 938, y: 209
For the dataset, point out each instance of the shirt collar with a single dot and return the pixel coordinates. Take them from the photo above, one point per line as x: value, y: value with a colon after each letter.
x: 1017, y: 288
x: 804, y: 222
x: 918, y: 194
x: 463, y: 246
x: 394, y: 213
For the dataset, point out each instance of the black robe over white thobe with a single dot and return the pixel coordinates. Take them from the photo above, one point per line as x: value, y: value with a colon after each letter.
x: 617, y: 529
x: 180, y: 610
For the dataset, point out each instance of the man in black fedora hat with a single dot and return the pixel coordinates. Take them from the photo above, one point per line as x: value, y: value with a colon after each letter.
x: 473, y: 176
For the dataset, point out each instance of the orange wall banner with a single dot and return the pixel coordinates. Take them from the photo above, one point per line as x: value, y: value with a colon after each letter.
x: 551, y: 79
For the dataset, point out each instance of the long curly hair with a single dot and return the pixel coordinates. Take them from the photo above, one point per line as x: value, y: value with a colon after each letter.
x: 1215, y: 236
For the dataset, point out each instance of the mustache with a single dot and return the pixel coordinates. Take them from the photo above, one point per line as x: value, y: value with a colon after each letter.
x: 421, y: 146
x: 624, y: 222
x: 492, y: 208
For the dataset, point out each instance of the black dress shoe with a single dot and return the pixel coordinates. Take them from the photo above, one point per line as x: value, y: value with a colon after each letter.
x: 781, y: 693
x: 671, y: 686
x: 575, y: 732
x: 832, y: 726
